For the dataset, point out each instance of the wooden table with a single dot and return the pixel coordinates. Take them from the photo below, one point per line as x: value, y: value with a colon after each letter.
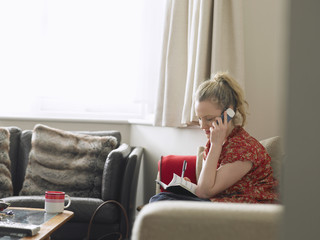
x: 48, y: 227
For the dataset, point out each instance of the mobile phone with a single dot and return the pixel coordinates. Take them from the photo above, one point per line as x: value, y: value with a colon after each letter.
x: 230, y: 114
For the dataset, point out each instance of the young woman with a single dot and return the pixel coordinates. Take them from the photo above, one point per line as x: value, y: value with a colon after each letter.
x: 236, y: 167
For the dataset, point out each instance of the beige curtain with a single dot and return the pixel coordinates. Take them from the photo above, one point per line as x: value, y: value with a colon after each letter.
x: 200, y: 38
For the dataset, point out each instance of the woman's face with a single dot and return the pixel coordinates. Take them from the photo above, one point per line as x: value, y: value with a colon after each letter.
x: 207, y: 112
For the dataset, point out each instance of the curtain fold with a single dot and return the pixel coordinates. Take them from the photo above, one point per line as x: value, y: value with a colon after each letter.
x: 200, y: 37
x: 227, y: 43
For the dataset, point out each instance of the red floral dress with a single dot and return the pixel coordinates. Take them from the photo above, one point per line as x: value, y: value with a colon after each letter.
x: 258, y: 185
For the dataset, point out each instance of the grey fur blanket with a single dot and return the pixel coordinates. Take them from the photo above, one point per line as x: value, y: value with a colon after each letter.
x: 5, y: 164
x: 63, y: 161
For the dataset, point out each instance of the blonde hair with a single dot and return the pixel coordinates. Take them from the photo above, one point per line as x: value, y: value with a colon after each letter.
x: 225, y: 91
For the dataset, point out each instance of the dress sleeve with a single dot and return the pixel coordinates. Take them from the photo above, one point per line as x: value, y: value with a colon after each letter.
x: 240, y: 151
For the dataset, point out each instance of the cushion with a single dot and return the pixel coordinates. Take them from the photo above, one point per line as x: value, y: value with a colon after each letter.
x: 6, y: 188
x: 173, y: 164
x: 25, y: 148
x: 65, y: 161
x: 273, y: 146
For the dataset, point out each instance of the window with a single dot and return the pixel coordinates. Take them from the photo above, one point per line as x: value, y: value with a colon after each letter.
x: 94, y: 59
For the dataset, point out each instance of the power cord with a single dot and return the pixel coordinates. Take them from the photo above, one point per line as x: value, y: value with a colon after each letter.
x: 118, y: 233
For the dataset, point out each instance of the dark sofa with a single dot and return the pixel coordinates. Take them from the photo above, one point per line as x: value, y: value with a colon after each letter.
x: 119, y: 183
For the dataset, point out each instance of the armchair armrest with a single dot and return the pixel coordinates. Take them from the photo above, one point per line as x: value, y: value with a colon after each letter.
x: 113, y: 172
x: 206, y: 220
x: 130, y: 185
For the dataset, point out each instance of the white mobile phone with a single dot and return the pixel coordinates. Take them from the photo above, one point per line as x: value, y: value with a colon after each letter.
x: 230, y: 114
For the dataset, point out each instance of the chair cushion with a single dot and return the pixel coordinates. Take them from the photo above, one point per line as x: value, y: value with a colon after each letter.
x: 65, y: 161
x: 6, y: 188
x: 173, y: 164
x: 25, y: 147
x: 274, y: 148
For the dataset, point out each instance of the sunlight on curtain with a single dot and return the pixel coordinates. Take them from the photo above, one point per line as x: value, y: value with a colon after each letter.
x: 79, y: 58
x: 200, y: 38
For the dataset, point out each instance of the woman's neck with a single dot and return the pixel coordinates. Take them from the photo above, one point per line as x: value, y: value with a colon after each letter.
x: 230, y: 130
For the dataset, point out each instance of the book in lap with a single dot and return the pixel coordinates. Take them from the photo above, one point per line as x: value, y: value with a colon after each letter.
x: 180, y: 186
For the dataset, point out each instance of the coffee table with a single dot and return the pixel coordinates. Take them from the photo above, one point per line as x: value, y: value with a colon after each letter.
x: 48, y: 222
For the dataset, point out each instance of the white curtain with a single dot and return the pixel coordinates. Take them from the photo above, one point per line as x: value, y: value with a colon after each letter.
x: 200, y: 38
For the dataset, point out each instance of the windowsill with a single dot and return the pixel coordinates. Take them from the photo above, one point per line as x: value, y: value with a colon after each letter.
x: 78, y: 120
x: 130, y: 121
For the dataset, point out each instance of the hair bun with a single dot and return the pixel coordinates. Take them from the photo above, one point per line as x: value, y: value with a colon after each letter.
x: 220, y: 77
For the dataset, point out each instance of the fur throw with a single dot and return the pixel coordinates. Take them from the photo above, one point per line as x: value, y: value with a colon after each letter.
x: 6, y: 188
x: 63, y: 161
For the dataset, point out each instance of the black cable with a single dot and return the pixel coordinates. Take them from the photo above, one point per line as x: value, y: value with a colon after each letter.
x: 96, y: 211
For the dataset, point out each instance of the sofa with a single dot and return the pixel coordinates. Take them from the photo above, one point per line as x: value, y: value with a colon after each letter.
x: 116, y: 180
x: 208, y: 220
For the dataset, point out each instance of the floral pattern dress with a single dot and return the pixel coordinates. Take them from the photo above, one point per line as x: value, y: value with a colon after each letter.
x: 258, y: 185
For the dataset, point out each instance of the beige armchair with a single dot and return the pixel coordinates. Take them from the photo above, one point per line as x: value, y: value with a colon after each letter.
x: 205, y: 220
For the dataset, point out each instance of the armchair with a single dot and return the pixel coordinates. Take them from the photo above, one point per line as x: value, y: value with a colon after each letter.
x: 207, y: 220
x: 119, y: 183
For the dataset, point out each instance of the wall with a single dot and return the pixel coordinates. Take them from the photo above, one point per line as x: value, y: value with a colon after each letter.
x: 265, y: 27
x: 158, y: 141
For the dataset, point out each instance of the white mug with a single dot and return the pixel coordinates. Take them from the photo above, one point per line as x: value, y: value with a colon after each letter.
x: 54, y: 201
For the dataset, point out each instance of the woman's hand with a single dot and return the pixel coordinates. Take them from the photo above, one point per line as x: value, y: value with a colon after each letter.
x: 218, y: 131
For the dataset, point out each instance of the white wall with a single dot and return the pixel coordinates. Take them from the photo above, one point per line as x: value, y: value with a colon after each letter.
x: 265, y: 23
x: 161, y: 141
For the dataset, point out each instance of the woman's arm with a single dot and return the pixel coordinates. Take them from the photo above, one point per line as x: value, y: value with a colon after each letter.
x: 212, y: 181
x: 208, y: 173
x: 226, y: 176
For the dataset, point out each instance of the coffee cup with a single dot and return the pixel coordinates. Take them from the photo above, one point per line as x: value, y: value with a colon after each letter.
x: 54, y: 201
